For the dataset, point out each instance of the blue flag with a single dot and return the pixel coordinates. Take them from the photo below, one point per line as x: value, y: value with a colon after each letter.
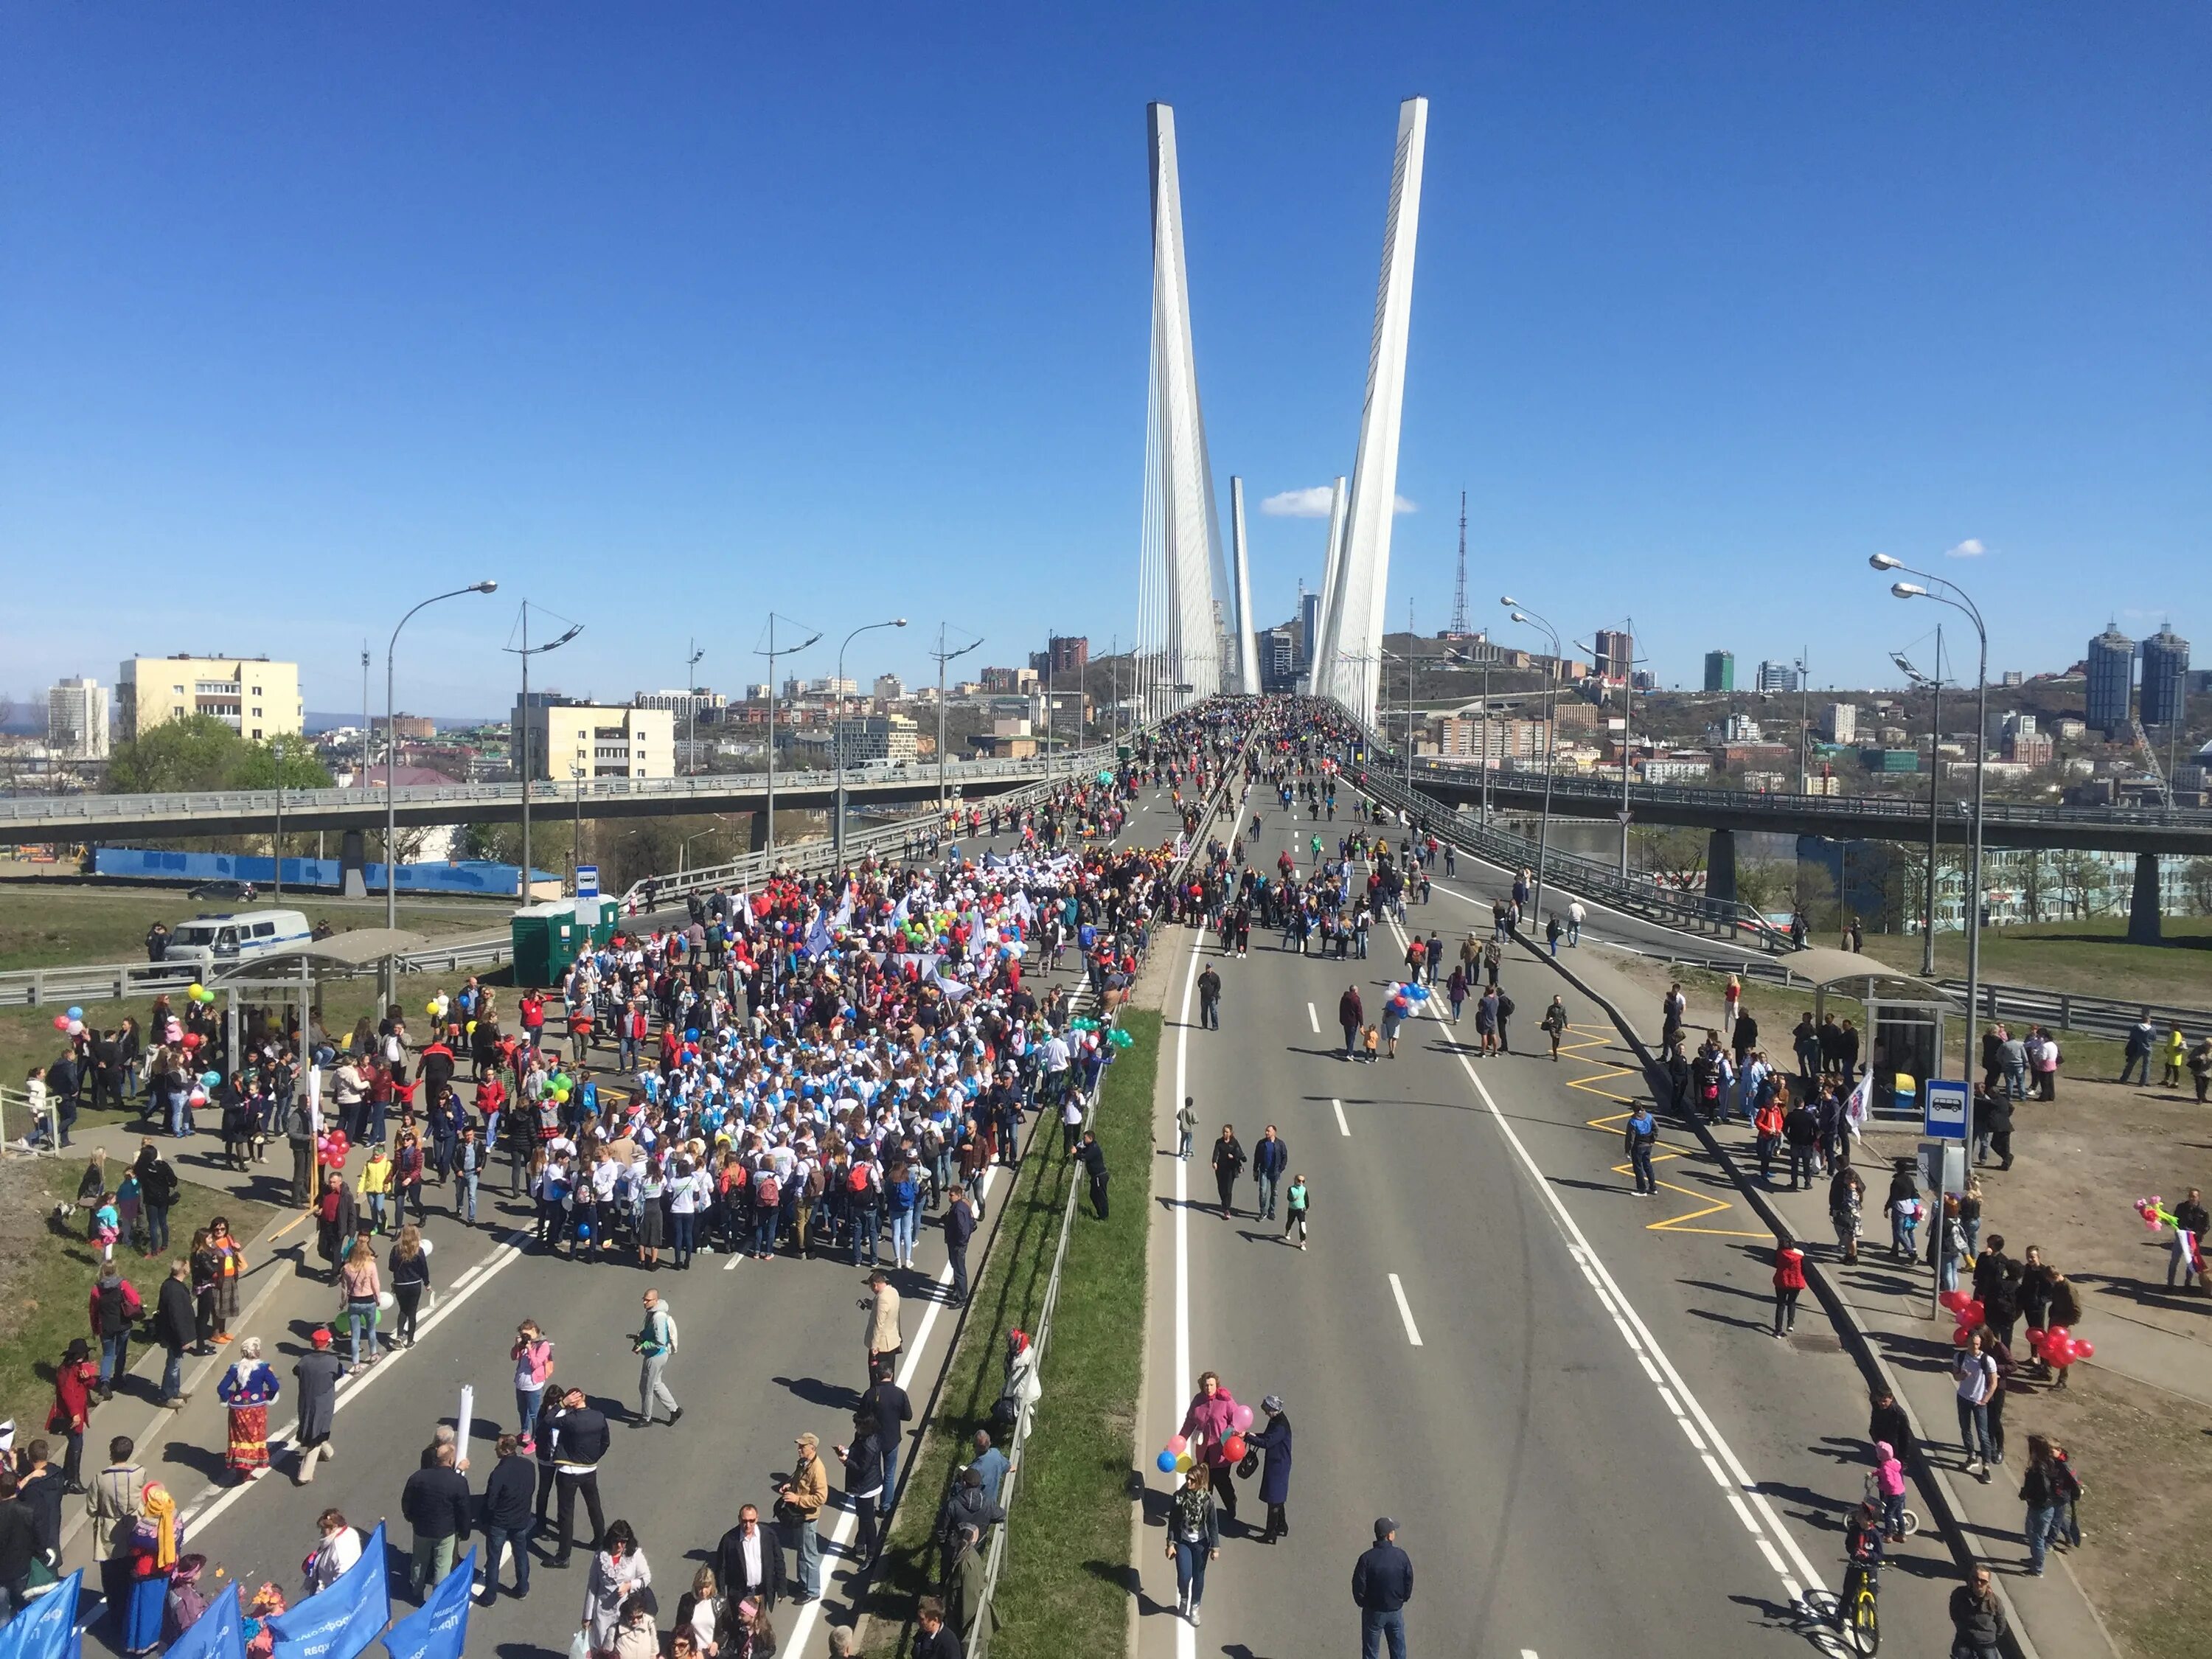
x: 438, y: 1631
x: 46, y: 1629
x: 214, y: 1634
x: 343, y: 1620
x: 818, y: 936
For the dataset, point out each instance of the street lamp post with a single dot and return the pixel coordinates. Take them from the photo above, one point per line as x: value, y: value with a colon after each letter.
x: 772, y: 654
x: 1935, y: 684
x: 691, y: 704
x: 518, y: 739
x: 392, y: 750
x: 837, y: 726
x: 1948, y: 593
x: 944, y: 657
x: 1521, y: 613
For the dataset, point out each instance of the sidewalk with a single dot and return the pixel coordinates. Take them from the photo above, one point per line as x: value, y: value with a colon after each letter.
x: 1886, y: 1307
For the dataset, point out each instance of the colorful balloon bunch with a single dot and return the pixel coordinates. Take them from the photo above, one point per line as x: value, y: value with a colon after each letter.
x: 2058, y: 1347
x: 197, y: 992
x: 2154, y: 1213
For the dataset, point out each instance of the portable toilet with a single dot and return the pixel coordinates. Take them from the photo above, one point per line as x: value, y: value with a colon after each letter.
x: 547, y: 940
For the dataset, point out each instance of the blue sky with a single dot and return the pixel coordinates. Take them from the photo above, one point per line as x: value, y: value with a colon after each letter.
x: 665, y: 317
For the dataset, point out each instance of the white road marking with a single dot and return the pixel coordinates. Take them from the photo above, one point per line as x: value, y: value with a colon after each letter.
x: 1734, y: 1479
x: 1186, y: 1637
x: 1341, y: 1126
x: 1405, y: 1312
x: 1313, y: 1019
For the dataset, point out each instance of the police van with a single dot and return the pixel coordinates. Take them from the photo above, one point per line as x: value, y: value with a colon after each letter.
x: 220, y: 941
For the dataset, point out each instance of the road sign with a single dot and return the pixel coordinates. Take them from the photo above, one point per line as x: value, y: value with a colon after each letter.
x: 588, y: 881
x: 1944, y: 1105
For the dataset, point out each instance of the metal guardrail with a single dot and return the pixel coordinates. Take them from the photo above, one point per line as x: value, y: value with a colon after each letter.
x: 1018, y: 1445
x: 38, y: 816
x: 16, y: 1113
x: 1582, y: 788
x: 1694, y: 912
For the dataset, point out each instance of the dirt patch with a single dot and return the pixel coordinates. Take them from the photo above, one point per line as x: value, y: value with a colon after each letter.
x: 2145, y: 1458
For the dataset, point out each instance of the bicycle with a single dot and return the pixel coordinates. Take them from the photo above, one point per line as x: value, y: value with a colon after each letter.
x: 1855, y: 1611
x: 1911, y: 1517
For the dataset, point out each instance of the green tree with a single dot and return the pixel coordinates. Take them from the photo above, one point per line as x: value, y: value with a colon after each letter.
x: 285, y: 761
x: 198, y: 751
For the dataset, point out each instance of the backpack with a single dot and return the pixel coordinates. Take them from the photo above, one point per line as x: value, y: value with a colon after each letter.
x: 1505, y: 1006
x: 857, y: 1182
x: 766, y: 1193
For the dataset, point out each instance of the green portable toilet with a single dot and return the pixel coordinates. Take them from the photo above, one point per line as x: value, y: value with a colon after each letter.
x: 546, y: 941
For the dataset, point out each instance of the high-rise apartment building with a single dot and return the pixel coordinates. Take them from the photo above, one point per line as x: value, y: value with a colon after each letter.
x: 1840, y: 721
x: 255, y: 697
x: 1616, y: 656
x: 1309, y: 625
x: 1777, y: 677
x: 1720, y: 670
x: 1065, y: 656
x: 77, y: 720
x: 2111, y: 681
x: 2165, y: 677
x: 565, y: 740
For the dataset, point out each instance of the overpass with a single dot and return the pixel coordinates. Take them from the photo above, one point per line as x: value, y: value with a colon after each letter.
x: 257, y: 811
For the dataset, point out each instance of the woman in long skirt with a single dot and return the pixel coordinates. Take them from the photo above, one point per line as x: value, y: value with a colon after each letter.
x: 230, y: 1267
x: 154, y: 1542
x: 246, y: 1389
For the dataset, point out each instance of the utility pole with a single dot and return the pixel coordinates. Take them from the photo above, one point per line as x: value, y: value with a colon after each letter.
x: 1459, y: 592
x: 944, y: 657
x: 691, y: 702
x: 365, y: 725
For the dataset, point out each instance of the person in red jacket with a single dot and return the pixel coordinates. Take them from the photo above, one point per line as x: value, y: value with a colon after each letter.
x: 76, y: 1380
x: 1789, y: 1283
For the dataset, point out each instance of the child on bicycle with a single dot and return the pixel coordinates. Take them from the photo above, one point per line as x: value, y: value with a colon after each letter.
x: 1886, y: 1484
x: 1862, y: 1554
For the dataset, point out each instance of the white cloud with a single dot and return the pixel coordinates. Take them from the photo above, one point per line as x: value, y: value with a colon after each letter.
x: 1313, y: 502
x: 1969, y: 548
x: 1299, y: 503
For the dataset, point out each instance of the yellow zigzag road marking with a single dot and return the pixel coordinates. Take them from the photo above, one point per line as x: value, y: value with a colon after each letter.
x: 1593, y: 1038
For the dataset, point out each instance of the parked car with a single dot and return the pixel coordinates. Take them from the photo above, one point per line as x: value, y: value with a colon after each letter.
x: 223, y: 888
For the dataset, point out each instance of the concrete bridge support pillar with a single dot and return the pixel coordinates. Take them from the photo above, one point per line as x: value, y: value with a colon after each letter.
x: 2143, y: 906
x: 352, y: 860
x: 1720, y: 866
x: 758, y: 840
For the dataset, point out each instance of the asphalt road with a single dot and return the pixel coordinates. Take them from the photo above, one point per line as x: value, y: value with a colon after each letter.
x: 767, y: 1350
x: 1566, y: 1395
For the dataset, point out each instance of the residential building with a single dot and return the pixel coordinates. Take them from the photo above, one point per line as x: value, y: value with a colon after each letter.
x: 414, y: 728
x: 1777, y: 677
x: 1308, y: 626
x: 1064, y: 657
x: 700, y: 704
x: 77, y: 720
x: 1738, y: 727
x: 2012, y: 677
x: 255, y: 697
x: 833, y: 685
x: 874, y: 737
x: 1673, y: 768
x: 1839, y: 722
x: 2030, y: 747
x: 563, y: 737
x: 1616, y: 656
x: 1278, y: 659
x: 2067, y: 729
x: 1009, y: 680
x: 2165, y: 677
x: 1720, y: 670
x: 2111, y: 681
x: 1454, y: 736
x: 889, y: 687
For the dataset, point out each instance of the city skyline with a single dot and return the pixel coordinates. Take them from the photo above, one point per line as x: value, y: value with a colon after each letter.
x: 1837, y: 286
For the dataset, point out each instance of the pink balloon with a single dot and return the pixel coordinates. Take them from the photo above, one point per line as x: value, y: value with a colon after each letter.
x: 1178, y: 1445
x: 61, y: 1022
x: 1241, y: 1419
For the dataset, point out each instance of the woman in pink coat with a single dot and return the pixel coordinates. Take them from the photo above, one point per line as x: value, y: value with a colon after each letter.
x: 1213, y: 1416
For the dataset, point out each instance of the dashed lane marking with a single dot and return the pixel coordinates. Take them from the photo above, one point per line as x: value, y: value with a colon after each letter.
x: 1405, y: 1312
x: 1342, y: 1127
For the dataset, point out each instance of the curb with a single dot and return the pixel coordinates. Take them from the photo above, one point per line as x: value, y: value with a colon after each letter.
x: 1933, y: 1483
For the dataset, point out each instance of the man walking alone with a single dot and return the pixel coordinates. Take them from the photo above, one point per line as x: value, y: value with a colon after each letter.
x: 1269, y: 1159
x: 655, y: 1343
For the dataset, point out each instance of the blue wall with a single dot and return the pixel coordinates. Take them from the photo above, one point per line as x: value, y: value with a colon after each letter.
x: 152, y: 864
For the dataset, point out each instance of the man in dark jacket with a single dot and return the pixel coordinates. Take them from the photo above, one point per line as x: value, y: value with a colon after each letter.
x: 1978, y: 1623
x: 1270, y: 1159
x: 887, y: 1403
x: 1228, y: 1165
x: 1209, y: 998
x: 1382, y: 1584
x: 19, y: 1543
x: 176, y: 1328
x: 937, y: 1640
x: 749, y: 1561
x: 959, y: 1227
x: 1351, y: 1014
x: 966, y: 1505
x: 1801, y: 1130
x: 506, y: 1517
x: 1092, y: 1156
x: 114, y: 1304
x: 579, y: 1441
x: 435, y: 1502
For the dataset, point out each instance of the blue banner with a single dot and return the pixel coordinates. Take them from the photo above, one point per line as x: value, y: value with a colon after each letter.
x: 438, y: 1631
x: 344, y: 1619
x: 214, y: 1634
x: 46, y: 1629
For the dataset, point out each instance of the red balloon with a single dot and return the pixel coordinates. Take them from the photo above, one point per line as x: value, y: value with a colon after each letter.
x: 1233, y: 1449
x: 2035, y: 1338
x: 2057, y: 1334
x: 1959, y: 1336
x: 191, y: 1041
x: 2061, y: 1354
x: 1952, y: 1301
x: 61, y: 1022
x: 1974, y: 1314
x: 2084, y: 1351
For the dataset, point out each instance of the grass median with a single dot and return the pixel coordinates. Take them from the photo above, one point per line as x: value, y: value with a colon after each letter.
x: 1063, y: 1589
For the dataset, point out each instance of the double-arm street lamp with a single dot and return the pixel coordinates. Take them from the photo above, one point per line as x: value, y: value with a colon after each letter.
x: 837, y: 725
x: 1932, y: 586
x: 1521, y: 613
x: 518, y: 747
x: 1934, y: 682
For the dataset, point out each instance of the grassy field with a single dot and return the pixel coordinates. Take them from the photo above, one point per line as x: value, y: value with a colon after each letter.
x: 46, y: 1271
x: 1064, y: 1588
x: 2091, y: 957
x: 46, y: 923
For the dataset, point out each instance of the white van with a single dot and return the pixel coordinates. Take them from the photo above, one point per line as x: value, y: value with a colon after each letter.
x: 216, y: 942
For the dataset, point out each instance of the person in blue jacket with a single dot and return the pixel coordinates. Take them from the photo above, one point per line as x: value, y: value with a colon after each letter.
x: 1382, y: 1584
x: 1273, y: 1442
